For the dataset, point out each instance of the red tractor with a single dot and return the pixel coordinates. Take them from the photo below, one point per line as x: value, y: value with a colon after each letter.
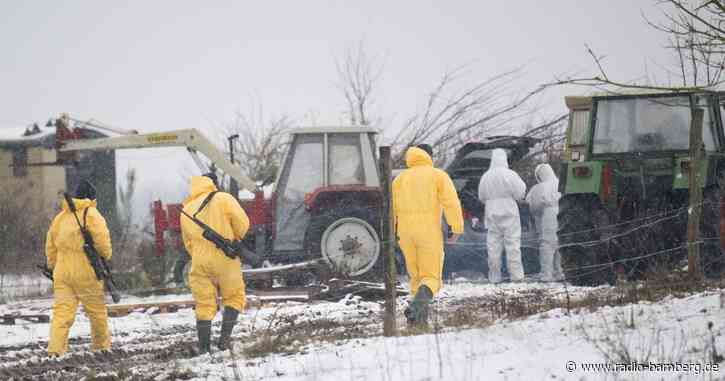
x: 324, y: 210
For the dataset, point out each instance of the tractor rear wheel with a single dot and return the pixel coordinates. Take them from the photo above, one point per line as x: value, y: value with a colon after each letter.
x: 347, y: 239
x: 584, y: 256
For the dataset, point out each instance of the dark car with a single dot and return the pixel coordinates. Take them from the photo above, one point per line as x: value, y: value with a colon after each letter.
x: 468, y: 256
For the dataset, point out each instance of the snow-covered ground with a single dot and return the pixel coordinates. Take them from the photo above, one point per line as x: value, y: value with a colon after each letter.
x: 341, y: 340
x: 15, y: 287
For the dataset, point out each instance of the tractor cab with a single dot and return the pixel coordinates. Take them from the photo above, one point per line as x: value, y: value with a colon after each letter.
x: 327, y: 199
x: 641, y: 125
x: 644, y: 139
x: 626, y: 162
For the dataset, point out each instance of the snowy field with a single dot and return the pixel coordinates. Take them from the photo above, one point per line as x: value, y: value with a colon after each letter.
x: 15, y: 287
x: 482, y: 332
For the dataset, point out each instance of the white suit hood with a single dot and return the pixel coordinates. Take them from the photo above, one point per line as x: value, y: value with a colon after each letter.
x: 546, y: 192
x: 499, y: 182
x: 543, y: 202
x: 499, y: 159
x: 545, y: 173
x: 500, y: 187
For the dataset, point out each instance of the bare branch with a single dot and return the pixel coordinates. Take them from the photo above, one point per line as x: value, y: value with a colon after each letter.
x: 450, y: 117
x: 261, y: 143
x: 357, y: 78
x: 597, y: 60
x: 697, y: 37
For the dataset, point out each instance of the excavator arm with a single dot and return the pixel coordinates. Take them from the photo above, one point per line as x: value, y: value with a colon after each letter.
x: 192, y: 139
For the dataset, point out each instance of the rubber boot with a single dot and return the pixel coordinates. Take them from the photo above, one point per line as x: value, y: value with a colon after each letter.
x: 417, y: 312
x: 203, y: 331
x: 229, y: 319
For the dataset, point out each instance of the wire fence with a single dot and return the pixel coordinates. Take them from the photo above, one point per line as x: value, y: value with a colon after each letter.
x: 652, y: 220
x: 235, y: 362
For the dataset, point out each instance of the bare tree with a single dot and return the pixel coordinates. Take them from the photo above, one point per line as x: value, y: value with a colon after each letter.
x: 358, y: 75
x: 696, y: 34
x: 126, y: 230
x: 262, y: 141
x: 695, y: 31
x: 550, y: 149
x: 23, y: 228
x: 451, y: 116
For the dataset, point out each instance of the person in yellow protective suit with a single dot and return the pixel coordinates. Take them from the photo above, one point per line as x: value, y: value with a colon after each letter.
x: 210, y: 268
x: 422, y: 194
x: 74, y: 280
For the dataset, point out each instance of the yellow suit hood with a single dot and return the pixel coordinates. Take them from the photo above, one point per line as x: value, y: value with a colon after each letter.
x: 422, y: 194
x: 212, y: 272
x: 416, y: 157
x: 74, y: 280
x: 200, y: 185
x: 80, y: 203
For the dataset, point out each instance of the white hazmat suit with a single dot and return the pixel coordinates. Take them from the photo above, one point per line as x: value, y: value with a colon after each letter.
x: 499, y: 189
x: 543, y: 200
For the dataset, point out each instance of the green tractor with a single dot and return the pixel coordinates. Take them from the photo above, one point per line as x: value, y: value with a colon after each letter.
x: 624, y: 184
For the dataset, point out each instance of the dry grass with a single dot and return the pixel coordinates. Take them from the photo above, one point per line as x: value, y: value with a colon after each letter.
x: 287, y: 336
x: 480, y: 312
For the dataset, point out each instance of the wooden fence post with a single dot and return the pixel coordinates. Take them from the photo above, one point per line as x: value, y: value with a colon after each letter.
x: 388, y: 237
x: 696, y: 179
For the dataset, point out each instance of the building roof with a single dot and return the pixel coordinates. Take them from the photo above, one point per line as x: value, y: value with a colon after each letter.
x: 32, y: 135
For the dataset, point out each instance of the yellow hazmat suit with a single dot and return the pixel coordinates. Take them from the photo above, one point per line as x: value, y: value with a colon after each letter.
x: 421, y: 195
x: 73, y: 277
x: 210, y: 268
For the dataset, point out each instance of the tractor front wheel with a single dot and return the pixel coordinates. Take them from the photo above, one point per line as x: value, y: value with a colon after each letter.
x: 346, y: 239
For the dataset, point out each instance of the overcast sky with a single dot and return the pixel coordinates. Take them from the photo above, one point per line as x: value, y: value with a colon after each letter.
x: 160, y: 65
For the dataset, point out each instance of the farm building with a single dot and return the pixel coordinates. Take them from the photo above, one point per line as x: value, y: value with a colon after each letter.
x: 29, y: 164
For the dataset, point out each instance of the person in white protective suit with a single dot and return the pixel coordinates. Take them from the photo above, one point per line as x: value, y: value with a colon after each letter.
x: 543, y: 200
x: 499, y: 190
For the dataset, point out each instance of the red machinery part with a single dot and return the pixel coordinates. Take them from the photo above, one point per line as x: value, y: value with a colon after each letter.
x: 311, y: 199
x: 467, y: 215
x: 62, y: 134
x: 257, y: 209
x: 606, y: 182
x: 161, y: 223
x: 174, y: 213
x: 169, y: 219
x: 260, y: 209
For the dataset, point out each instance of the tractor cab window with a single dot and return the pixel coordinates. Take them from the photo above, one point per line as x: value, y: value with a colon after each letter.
x: 344, y: 160
x: 301, y: 177
x: 306, y: 167
x: 708, y: 129
x: 646, y: 125
x: 579, y: 123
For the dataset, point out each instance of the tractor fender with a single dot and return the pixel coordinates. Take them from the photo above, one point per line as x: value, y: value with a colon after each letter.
x: 334, y: 196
